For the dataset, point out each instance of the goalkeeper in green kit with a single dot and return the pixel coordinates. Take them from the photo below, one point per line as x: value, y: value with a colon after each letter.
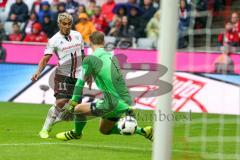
x: 104, y: 68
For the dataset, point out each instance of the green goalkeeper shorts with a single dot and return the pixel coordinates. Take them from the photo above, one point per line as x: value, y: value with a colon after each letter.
x: 106, y: 110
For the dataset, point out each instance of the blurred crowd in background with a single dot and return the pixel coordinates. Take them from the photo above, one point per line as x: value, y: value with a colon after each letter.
x: 38, y: 23
x: 132, y: 20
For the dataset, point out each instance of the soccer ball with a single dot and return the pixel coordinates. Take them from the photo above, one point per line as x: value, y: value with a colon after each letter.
x: 127, y: 125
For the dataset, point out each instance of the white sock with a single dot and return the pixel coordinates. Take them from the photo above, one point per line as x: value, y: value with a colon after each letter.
x: 50, y: 119
x: 59, y: 118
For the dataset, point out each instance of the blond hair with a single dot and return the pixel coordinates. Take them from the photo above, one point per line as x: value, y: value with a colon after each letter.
x: 63, y: 16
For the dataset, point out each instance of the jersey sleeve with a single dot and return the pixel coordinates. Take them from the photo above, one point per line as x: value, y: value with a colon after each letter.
x: 78, y: 89
x: 50, y: 48
x: 87, y: 67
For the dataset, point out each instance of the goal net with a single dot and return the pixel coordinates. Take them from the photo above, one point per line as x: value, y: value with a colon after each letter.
x: 206, y: 93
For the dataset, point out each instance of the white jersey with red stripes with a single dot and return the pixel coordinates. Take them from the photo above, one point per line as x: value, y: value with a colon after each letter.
x: 69, y: 52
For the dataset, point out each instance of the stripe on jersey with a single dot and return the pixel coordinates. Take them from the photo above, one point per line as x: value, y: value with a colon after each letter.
x: 83, y: 55
x: 72, y: 61
x: 75, y: 65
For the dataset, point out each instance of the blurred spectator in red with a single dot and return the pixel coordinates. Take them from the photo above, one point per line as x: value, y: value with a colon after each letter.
x: 85, y: 27
x: 71, y: 6
x: 81, y: 9
x: 2, y: 52
x: 3, y: 4
x: 99, y: 20
x: 36, y: 6
x: 28, y: 25
x: 37, y: 35
x: 223, y: 63
x: 18, y: 12
x: 236, y: 24
x: 91, y: 8
x: 135, y: 19
x: 16, y: 34
x: 228, y: 37
x: 148, y: 11
x: 44, y: 10
x: 49, y: 27
x: 107, y: 8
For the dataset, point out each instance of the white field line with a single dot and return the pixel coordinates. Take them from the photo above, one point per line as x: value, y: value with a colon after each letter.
x: 213, y: 139
x: 213, y: 121
x: 71, y: 144
x: 224, y: 156
x: 86, y: 145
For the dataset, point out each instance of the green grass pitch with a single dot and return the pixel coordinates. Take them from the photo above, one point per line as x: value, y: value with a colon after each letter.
x: 20, y: 124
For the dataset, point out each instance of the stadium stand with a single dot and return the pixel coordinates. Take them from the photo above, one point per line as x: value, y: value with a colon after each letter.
x: 206, y: 20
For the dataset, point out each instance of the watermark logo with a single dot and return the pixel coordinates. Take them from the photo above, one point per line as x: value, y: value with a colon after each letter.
x: 144, y: 75
x: 162, y: 116
x: 137, y: 77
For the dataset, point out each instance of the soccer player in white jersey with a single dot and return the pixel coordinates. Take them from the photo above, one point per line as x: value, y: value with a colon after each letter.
x: 68, y: 45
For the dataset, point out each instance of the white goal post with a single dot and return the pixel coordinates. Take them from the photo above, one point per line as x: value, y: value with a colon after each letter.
x: 167, y: 47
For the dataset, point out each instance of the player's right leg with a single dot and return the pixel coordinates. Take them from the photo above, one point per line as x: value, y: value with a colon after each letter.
x: 52, y: 117
x: 63, y: 88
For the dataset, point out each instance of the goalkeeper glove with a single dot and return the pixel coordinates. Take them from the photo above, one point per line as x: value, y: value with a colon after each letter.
x: 68, y: 109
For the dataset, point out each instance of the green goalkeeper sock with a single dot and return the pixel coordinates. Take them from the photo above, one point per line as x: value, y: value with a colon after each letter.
x: 79, y: 124
x: 139, y: 131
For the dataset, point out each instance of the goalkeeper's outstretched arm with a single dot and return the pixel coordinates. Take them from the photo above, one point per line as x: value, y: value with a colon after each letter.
x: 86, y: 77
